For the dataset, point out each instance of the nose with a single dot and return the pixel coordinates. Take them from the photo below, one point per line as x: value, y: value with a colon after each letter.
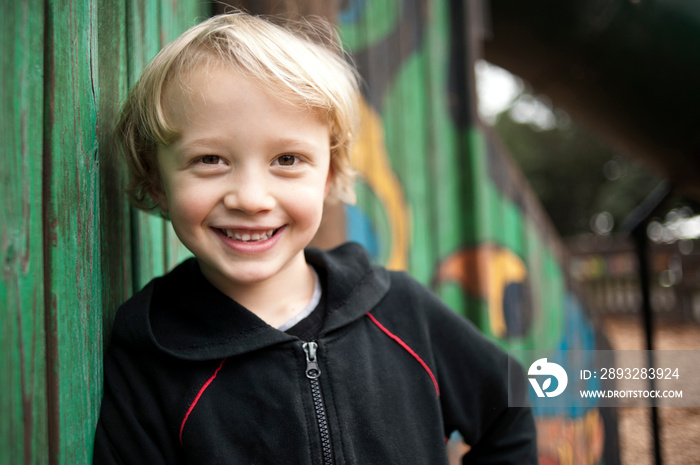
x: 250, y: 193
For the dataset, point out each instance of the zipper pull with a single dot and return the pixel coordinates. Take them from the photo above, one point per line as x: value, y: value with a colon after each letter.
x: 313, y: 371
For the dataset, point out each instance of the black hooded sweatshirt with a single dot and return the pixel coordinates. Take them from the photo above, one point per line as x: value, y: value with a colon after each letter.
x: 192, y: 377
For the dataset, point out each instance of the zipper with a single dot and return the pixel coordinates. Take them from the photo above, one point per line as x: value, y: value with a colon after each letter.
x: 313, y: 372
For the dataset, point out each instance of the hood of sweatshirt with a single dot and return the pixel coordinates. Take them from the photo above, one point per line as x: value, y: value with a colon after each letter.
x: 181, y: 314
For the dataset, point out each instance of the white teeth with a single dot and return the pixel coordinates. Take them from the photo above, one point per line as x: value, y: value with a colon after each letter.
x: 248, y: 237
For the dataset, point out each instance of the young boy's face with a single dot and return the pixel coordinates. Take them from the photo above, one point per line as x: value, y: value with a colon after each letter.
x: 244, y: 183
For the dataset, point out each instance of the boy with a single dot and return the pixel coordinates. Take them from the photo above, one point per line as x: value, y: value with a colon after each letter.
x: 258, y: 351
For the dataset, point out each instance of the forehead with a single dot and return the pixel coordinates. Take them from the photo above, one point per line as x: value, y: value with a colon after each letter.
x: 218, y: 102
x: 211, y: 83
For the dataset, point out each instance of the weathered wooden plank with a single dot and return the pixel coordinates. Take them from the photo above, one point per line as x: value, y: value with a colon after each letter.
x: 115, y: 224
x: 148, y: 231
x: 72, y: 254
x: 148, y: 245
x: 292, y: 9
x: 23, y: 424
x: 143, y: 41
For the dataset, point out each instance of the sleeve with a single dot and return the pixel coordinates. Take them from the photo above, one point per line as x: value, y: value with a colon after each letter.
x: 473, y: 376
x: 510, y: 438
x: 132, y: 428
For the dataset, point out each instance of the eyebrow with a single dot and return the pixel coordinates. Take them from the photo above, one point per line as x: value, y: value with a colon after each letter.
x: 295, y: 143
x: 190, y: 148
x: 208, y: 141
x: 282, y: 143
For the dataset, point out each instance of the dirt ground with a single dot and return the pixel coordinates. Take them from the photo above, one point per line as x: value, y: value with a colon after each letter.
x: 680, y: 427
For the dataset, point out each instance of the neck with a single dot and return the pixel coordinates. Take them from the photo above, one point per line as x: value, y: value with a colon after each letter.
x: 277, y: 299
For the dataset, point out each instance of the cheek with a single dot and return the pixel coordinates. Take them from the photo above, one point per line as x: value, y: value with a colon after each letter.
x: 187, y: 208
x: 306, y: 204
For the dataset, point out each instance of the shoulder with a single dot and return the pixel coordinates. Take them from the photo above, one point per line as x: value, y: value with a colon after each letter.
x: 347, y: 260
x: 413, y: 308
x: 472, y: 370
x: 415, y: 300
x: 131, y: 324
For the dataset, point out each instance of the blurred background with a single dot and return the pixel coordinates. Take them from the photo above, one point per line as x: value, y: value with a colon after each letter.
x: 535, y: 162
x: 595, y: 103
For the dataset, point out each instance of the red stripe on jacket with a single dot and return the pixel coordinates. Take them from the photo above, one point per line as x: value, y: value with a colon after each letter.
x: 196, y: 399
x: 407, y: 349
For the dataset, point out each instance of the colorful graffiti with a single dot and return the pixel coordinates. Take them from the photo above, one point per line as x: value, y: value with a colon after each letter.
x: 439, y: 197
x: 560, y: 439
x: 498, y: 276
x: 372, y: 164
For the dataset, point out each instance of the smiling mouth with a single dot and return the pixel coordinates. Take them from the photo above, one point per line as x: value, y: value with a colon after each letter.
x: 246, y: 235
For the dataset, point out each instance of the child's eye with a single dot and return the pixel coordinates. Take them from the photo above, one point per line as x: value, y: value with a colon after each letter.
x: 287, y: 160
x: 210, y: 159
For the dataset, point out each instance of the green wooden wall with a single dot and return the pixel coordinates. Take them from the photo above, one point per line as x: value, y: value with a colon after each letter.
x: 70, y: 247
x: 23, y: 384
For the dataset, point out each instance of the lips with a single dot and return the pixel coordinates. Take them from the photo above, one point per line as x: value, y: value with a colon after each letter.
x: 248, y: 235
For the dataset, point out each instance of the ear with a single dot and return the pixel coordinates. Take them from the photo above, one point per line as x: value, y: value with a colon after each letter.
x: 159, y: 198
x: 329, y: 181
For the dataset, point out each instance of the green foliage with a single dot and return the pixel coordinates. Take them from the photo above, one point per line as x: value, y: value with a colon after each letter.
x: 574, y: 175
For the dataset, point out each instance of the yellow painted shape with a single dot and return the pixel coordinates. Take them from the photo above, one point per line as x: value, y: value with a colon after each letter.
x: 505, y: 267
x: 371, y: 161
x: 567, y: 441
x: 483, y: 272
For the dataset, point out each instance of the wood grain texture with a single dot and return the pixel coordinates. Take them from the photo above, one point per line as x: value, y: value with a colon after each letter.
x: 23, y: 422
x: 115, y: 219
x: 71, y: 214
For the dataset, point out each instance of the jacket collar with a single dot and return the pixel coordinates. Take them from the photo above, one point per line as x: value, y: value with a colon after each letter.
x: 184, y: 315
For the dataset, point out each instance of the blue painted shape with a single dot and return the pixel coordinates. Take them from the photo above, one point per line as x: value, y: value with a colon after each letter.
x: 579, y: 335
x: 359, y: 229
x: 352, y: 12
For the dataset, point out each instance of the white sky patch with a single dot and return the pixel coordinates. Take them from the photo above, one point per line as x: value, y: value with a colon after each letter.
x: 690, y: 228
x: 496, y: 89
x: 678, y: 225
x: 530, y: 110
x: 499, y: 90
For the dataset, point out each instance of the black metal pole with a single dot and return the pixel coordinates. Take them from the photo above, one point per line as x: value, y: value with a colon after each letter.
x: 636, y: 224
x: 642, y: 246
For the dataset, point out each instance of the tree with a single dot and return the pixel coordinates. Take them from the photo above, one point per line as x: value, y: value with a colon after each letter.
x: 575, y: 176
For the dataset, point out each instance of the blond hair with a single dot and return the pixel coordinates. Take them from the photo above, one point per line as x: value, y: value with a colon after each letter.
x: 299, y: 63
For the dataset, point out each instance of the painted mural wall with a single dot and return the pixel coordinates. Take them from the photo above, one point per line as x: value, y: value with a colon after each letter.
x: 439, y: 197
